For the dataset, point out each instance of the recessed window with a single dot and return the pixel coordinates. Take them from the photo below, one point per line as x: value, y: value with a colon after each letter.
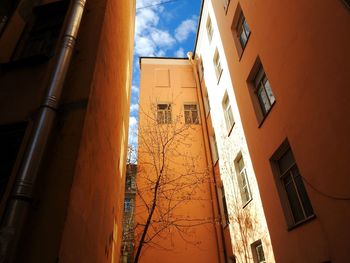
x: 243, y: 182
x: 210, y: 29
x: 347, y: 3
x: 164, y: 113
x: 191, y: 114
x: 258, y: 252
x: 217, y: 64
x: 226, y: 105
x: 206, y: 101
x: 225, y: 219
x: 263, y: 91
x: 294, y: 198
x: 214, y: 148
x: 240, y: 30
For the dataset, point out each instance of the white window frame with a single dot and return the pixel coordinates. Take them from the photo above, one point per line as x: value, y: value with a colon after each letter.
x: 243, y: 182
x: 193, y: 107
x: 217, y: 64
x: 210, y: 29
x: 164, y: 115
x: 228, y: 113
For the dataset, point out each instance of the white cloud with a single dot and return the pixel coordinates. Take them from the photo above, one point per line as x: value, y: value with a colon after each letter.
x: 134, y: 107
x: 135, y: 89
x: 144, y: 46
x: 180, y: 53
x: 162, y: 38
x: 186, y: 27
x: 133, y: 132
x: 132, y: 121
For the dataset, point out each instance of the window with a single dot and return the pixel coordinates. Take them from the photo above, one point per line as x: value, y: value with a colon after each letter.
x: 127, y: 205
x: 210, y: 29
x: 291, y: 186
x: 240, y: 31
x: 164, y: 113
x: 243, y: 31
x: 225, y: 219
x: 206, y: 102
x: 217, y: 64
x: 11, y: 137
x: 243, y: 182
x: 226, y: 105
x: 258, y: 252
x: 200, y: 68
x: 40, y: 42
x: 214, y: 148
x: 263, y: 91
x: 191, y: 114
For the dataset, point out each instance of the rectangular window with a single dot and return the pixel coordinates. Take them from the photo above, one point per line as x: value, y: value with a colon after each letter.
x: 191, y: 114
x: 225, y: 219
x: 258, y: 252
x: 226, y: 105
x: 291, y: 186
x: 240, y: 30
x: 214, y: 148
x: 164, y: 113
x: 243, y: 183
x: 263, y: 91
x: 210, y: 29
x: 217, y: 64
x: 206, y: 103
x: 243, y: 31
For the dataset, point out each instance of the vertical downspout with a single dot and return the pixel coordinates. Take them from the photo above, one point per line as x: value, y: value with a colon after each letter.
x: 22, y: 193
x: 205, y: 136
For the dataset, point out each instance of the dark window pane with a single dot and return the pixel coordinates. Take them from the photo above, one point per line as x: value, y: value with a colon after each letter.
x: 294, y: 201
x: 286, y: 161
x: 302, y: 192
x: 264, y: 102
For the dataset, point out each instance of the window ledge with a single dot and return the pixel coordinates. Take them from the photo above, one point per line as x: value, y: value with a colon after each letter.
x: 247, y: 203
x: 219, y: 77
x: 230, y: 130
x: 265, y: 116
x: 290, y: 228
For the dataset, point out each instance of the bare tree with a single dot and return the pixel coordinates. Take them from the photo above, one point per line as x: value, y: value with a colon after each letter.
x: 169, y: 178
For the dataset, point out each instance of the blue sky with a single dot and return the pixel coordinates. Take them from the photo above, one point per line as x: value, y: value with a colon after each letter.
x: 163, y: 28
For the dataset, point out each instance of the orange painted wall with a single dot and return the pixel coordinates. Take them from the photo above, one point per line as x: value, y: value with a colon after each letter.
x: 181, y: 89
x: 304, y: 49
x: 77, y: 209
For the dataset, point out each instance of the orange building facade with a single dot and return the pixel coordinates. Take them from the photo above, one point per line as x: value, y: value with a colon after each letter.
x: 65, y: 78
x: 289, y: 62
x: 170, y: 103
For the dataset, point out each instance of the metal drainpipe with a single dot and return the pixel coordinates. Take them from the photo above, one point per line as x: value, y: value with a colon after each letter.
x: 22, y: 193
x: 205, y: 133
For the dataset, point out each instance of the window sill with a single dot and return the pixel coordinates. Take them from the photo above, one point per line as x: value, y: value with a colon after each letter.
x: 219, y: 77
x: 265, y: 116
x: 230, y: 130
x: 247, y: 203
x: 290, y: 228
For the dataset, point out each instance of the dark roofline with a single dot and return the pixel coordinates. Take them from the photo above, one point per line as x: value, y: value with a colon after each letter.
x: 198, y: 28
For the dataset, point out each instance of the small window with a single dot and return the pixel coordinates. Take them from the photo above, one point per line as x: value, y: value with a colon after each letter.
x: 164, y: 113
x: 291, y: 186
x: 258, y: 252
x: 263, y: 91
x: 191, y: 114
x: 210, y: 29
x: 200, y: 68
x: 243, y: 183
x: 217, y: 64
x: 240, y: 30
x: 226, y: 105
x: 214, y: 148
x: 225, y: 219
x: 206, y: 101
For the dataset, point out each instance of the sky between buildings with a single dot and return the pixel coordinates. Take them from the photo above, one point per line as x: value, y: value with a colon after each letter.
x: 163, y: 28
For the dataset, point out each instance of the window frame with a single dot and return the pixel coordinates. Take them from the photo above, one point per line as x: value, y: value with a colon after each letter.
x: 209, y: 28
x: 167, y: 114
x: 256, y: 254
x: 228, y: 113
x: 217, y: 64
x: 242, y: 174
x: 237, y: 27
x: 281, y: 187
x: 191, y: 111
